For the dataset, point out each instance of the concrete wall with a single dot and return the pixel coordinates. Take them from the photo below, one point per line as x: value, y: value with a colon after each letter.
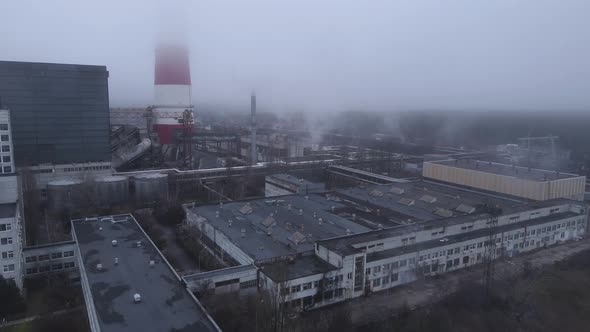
x: 8, y: 189
x: 57, y: 257
x: 509, y: 185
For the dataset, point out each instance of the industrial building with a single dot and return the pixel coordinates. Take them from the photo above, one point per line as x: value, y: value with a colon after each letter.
x: 60, y: 112
x: 128, y: 285
x: 535, y: 184
x: 319, y: 249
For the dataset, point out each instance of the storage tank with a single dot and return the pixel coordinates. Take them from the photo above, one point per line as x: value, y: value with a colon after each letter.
x: 64, y: 194
x: 151, y: 187
x: 112, y: 190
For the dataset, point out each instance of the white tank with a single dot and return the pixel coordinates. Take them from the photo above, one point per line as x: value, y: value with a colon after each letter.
x: 65, y: 194
x: 111, y: 190
x: 150, y: 188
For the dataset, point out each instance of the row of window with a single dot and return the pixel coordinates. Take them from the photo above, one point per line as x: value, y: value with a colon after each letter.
x: 87, y: 168
x: 5, y: 227
x: 47, y: 268
x: 46, y: 257
x: 309, y: 285
x: 8, y: 268
x: 7, y: 254
x: 5, y: 240
x: 391, y: 278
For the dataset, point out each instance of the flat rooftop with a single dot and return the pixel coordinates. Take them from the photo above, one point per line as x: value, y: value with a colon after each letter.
x: 280, y: 226
x: 297, y: 268
x: 506, y: 170
x: 166, y: 305
x: 8, y: 210
x: 424, y: 201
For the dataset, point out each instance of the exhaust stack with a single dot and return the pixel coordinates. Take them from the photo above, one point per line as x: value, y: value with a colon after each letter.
x: 253, y: 153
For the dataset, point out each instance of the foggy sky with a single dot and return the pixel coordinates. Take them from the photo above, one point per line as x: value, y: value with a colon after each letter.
x: 325, y: 55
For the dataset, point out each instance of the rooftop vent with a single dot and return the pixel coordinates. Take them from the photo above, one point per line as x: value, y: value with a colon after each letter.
x: 428, y: 199
x: 152, y: 263
x: 243, y: 232
x: 348, y: 232
x: 376, y: 193
x: 406, y: 201
x: 300, y: 212
x: 99, y: 267
x: 246, y: 209
x: 269, y: 221
x: 464, y: 208
x: 114, y: 243
x: 297, y: 238
x: 217, y: 214
x: 289, y: 206
x: 138, y: 244
x: 136, y: 298
x: 320, y: 220
x: 116, y: 260
x: 100, y: 228
x: 443, y: 213
x: 396, y: 190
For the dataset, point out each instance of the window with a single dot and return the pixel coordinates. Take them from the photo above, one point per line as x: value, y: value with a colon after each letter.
x: 5, y: 227
x: 4, y: 126
x: 456, y: 262
x: 245, y: 284
x: 296, y: 288
x: 394, y: 277
x: 394, y: 265
x: 349, y: 276
x: 457, y: 250
x: 7, y: 169
x: 32, y: 270
x: 377, y: 282
x: 8, y: 268
x: 328, y: 295
x: 5, y: 159
x: 479, y: 245
x: 403, y: 262
x: 316, y: 283
x: 412, y: 261
x: 533, y: 231
x: 368, y: 270
x: 449, y: 252
x: 56, y: 255
x: 339, y: 292
x: 377, y: 269
x: 4, y: 138
x: 307, y: 286
x: 43, y: 268
x: 7, y: 254
x: 57, y: 266
x: 5, y: 240
x: 554, y: 227
x: 5, y: 148
x: 386, y: 267
x: 449, y: 264
x: 31, y: 259
x: 68, y: 253
x: 385, y: 280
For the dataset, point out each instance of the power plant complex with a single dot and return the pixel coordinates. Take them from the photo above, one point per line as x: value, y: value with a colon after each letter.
x: 312, y: 222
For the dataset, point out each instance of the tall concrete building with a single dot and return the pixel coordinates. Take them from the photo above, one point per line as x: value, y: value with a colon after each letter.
x: 60, y: 112
x: 10, y: 225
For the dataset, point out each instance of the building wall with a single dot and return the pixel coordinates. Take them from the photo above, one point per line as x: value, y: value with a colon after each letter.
x: 58, y: 257
x: 6, y: 143
x: 82, y: 171
x: 10, y: 248
x: 536, y: 190
x: 60, y: 112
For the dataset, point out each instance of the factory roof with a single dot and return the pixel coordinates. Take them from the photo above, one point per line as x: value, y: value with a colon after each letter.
x: 507, y: 170
x: 423, y: 201
x: 305, y: 185
x: 299, y: 267
x: 281, y: 226
x: 8, y: 210
x: 166, y: 305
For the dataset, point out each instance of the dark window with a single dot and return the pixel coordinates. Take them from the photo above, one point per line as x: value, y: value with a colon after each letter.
x: 43, y: 258
x: 68, y: 253
x: 57, y: 266
x: 5, y: 159
x: 44, y: 268
x: 7, y: 169
x: 32, y: 270
x: 56, y: 255
x: 5, y: 148
x: 71, y: 265
x: 4, y: 138
x: 31, y: 259
x: 4, y: 126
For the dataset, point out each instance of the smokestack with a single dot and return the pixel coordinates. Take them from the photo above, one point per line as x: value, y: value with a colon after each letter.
x: 254, y: 156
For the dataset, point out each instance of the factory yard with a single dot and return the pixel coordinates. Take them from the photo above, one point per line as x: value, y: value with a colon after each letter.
x: 382, y: 305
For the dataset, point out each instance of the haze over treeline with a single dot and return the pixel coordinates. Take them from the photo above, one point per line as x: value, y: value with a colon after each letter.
x: 325, y: 55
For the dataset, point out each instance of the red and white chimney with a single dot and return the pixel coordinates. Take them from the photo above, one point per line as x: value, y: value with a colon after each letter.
x: 172, y: 91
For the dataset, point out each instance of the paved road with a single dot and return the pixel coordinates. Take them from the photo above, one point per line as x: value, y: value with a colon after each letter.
x: 385, y: 303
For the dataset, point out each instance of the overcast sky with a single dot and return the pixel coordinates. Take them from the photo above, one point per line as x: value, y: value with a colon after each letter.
x: 325, y: 54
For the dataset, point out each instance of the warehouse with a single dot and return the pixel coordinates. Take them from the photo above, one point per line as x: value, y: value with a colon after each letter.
x: 511, y: 180
x: 375, y: 237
